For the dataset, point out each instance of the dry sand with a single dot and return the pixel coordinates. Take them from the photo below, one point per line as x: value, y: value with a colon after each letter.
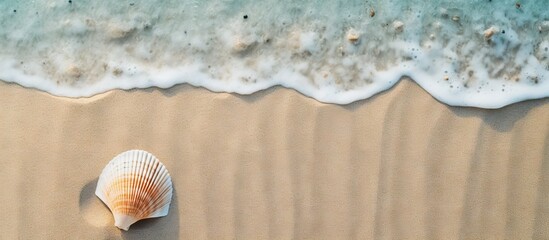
x: 278, y: 165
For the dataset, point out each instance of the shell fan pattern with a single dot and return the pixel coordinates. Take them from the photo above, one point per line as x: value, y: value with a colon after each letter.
x: 135, y: 185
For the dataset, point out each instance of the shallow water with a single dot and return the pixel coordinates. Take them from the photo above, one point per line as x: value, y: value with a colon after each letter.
x: 464, y: 53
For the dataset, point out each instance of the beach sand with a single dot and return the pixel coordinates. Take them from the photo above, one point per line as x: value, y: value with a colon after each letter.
x: 278, y: 165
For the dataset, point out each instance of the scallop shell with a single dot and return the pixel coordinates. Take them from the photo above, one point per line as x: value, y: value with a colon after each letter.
x: 135, y: 185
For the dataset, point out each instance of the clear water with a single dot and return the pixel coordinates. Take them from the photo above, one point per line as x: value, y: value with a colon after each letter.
x: 463, y: 52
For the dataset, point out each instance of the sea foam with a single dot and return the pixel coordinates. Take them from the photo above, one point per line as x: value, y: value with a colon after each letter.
x: 478, y: 53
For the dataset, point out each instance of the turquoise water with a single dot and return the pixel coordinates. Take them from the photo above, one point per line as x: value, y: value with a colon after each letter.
x: 465, y: 53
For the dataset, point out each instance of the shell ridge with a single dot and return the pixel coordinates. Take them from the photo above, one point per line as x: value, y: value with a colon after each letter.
x: 163, y: 207
x: 161, y: 197
x: 127, y: 165
x: 166, y: 194
x: 135, y: 176
x: 149, y: 191
x: 146, y: 181
x: 138, y: 176
x: 112, y: 190
x: 159, y: 201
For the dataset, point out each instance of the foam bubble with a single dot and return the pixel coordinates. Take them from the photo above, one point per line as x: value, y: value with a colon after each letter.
x: 464, y: 53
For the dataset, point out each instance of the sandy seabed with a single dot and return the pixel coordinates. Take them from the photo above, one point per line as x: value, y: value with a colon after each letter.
x: 278, y: 165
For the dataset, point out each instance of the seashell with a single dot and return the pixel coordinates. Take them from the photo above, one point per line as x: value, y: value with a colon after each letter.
x: 353, y: 36
x: 490, y: 32
x: 135, y: 185
x: 398, y: 26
